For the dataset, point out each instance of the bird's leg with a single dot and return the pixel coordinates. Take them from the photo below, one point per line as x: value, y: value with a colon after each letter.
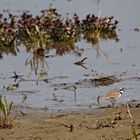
x: 113, y: 101
x: 98, y: 99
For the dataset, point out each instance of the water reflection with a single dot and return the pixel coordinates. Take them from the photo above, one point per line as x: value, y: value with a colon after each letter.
x: 38, y: 65
x: 63, y: 48
x: 95, y: 37
x: 8, y: 50
x: 99, y: 51
x: 49, y: 31
x: 96, y: 1
x: 65, y: 86
x: 96, y: 45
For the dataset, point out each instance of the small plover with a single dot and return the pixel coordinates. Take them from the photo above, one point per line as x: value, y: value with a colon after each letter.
x: 112, y: 95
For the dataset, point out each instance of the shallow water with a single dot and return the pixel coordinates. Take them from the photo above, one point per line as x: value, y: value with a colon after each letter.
x: 120, y: 59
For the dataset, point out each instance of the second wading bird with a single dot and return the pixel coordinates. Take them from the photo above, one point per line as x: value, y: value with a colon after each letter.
x: 112, y: 95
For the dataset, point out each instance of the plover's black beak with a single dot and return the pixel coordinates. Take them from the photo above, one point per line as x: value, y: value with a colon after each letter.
x: 122, y: 89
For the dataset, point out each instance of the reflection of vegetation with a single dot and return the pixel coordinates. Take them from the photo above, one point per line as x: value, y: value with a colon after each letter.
x: 95, y: 28
x: 11, y: 87
x: 7, y: 50
x: 37, y: 64
x: 99, y: 50
x: 97, y: 1
x: 50, y: 31
x: 62, y: 48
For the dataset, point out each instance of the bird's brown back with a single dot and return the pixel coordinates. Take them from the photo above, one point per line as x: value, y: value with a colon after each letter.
x: 112, y: 94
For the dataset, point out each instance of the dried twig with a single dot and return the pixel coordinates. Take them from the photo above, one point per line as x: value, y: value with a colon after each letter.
x: 135, y: 135
x: 16, y: 76
x: 128, y: 110
x: 23, y: 114
x: 81, y: 63
x: 10, y: 123
x: 68, y: 126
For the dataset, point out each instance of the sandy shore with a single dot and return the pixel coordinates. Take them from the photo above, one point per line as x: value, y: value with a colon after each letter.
x: 91, y: 124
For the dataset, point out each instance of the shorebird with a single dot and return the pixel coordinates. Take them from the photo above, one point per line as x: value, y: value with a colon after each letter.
x: 112, y: 95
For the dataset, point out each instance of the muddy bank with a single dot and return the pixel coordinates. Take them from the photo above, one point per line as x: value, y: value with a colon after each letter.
x: 110, y: 123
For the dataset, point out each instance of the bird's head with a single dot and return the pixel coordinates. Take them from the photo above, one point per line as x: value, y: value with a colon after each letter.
x: 122, y: 90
